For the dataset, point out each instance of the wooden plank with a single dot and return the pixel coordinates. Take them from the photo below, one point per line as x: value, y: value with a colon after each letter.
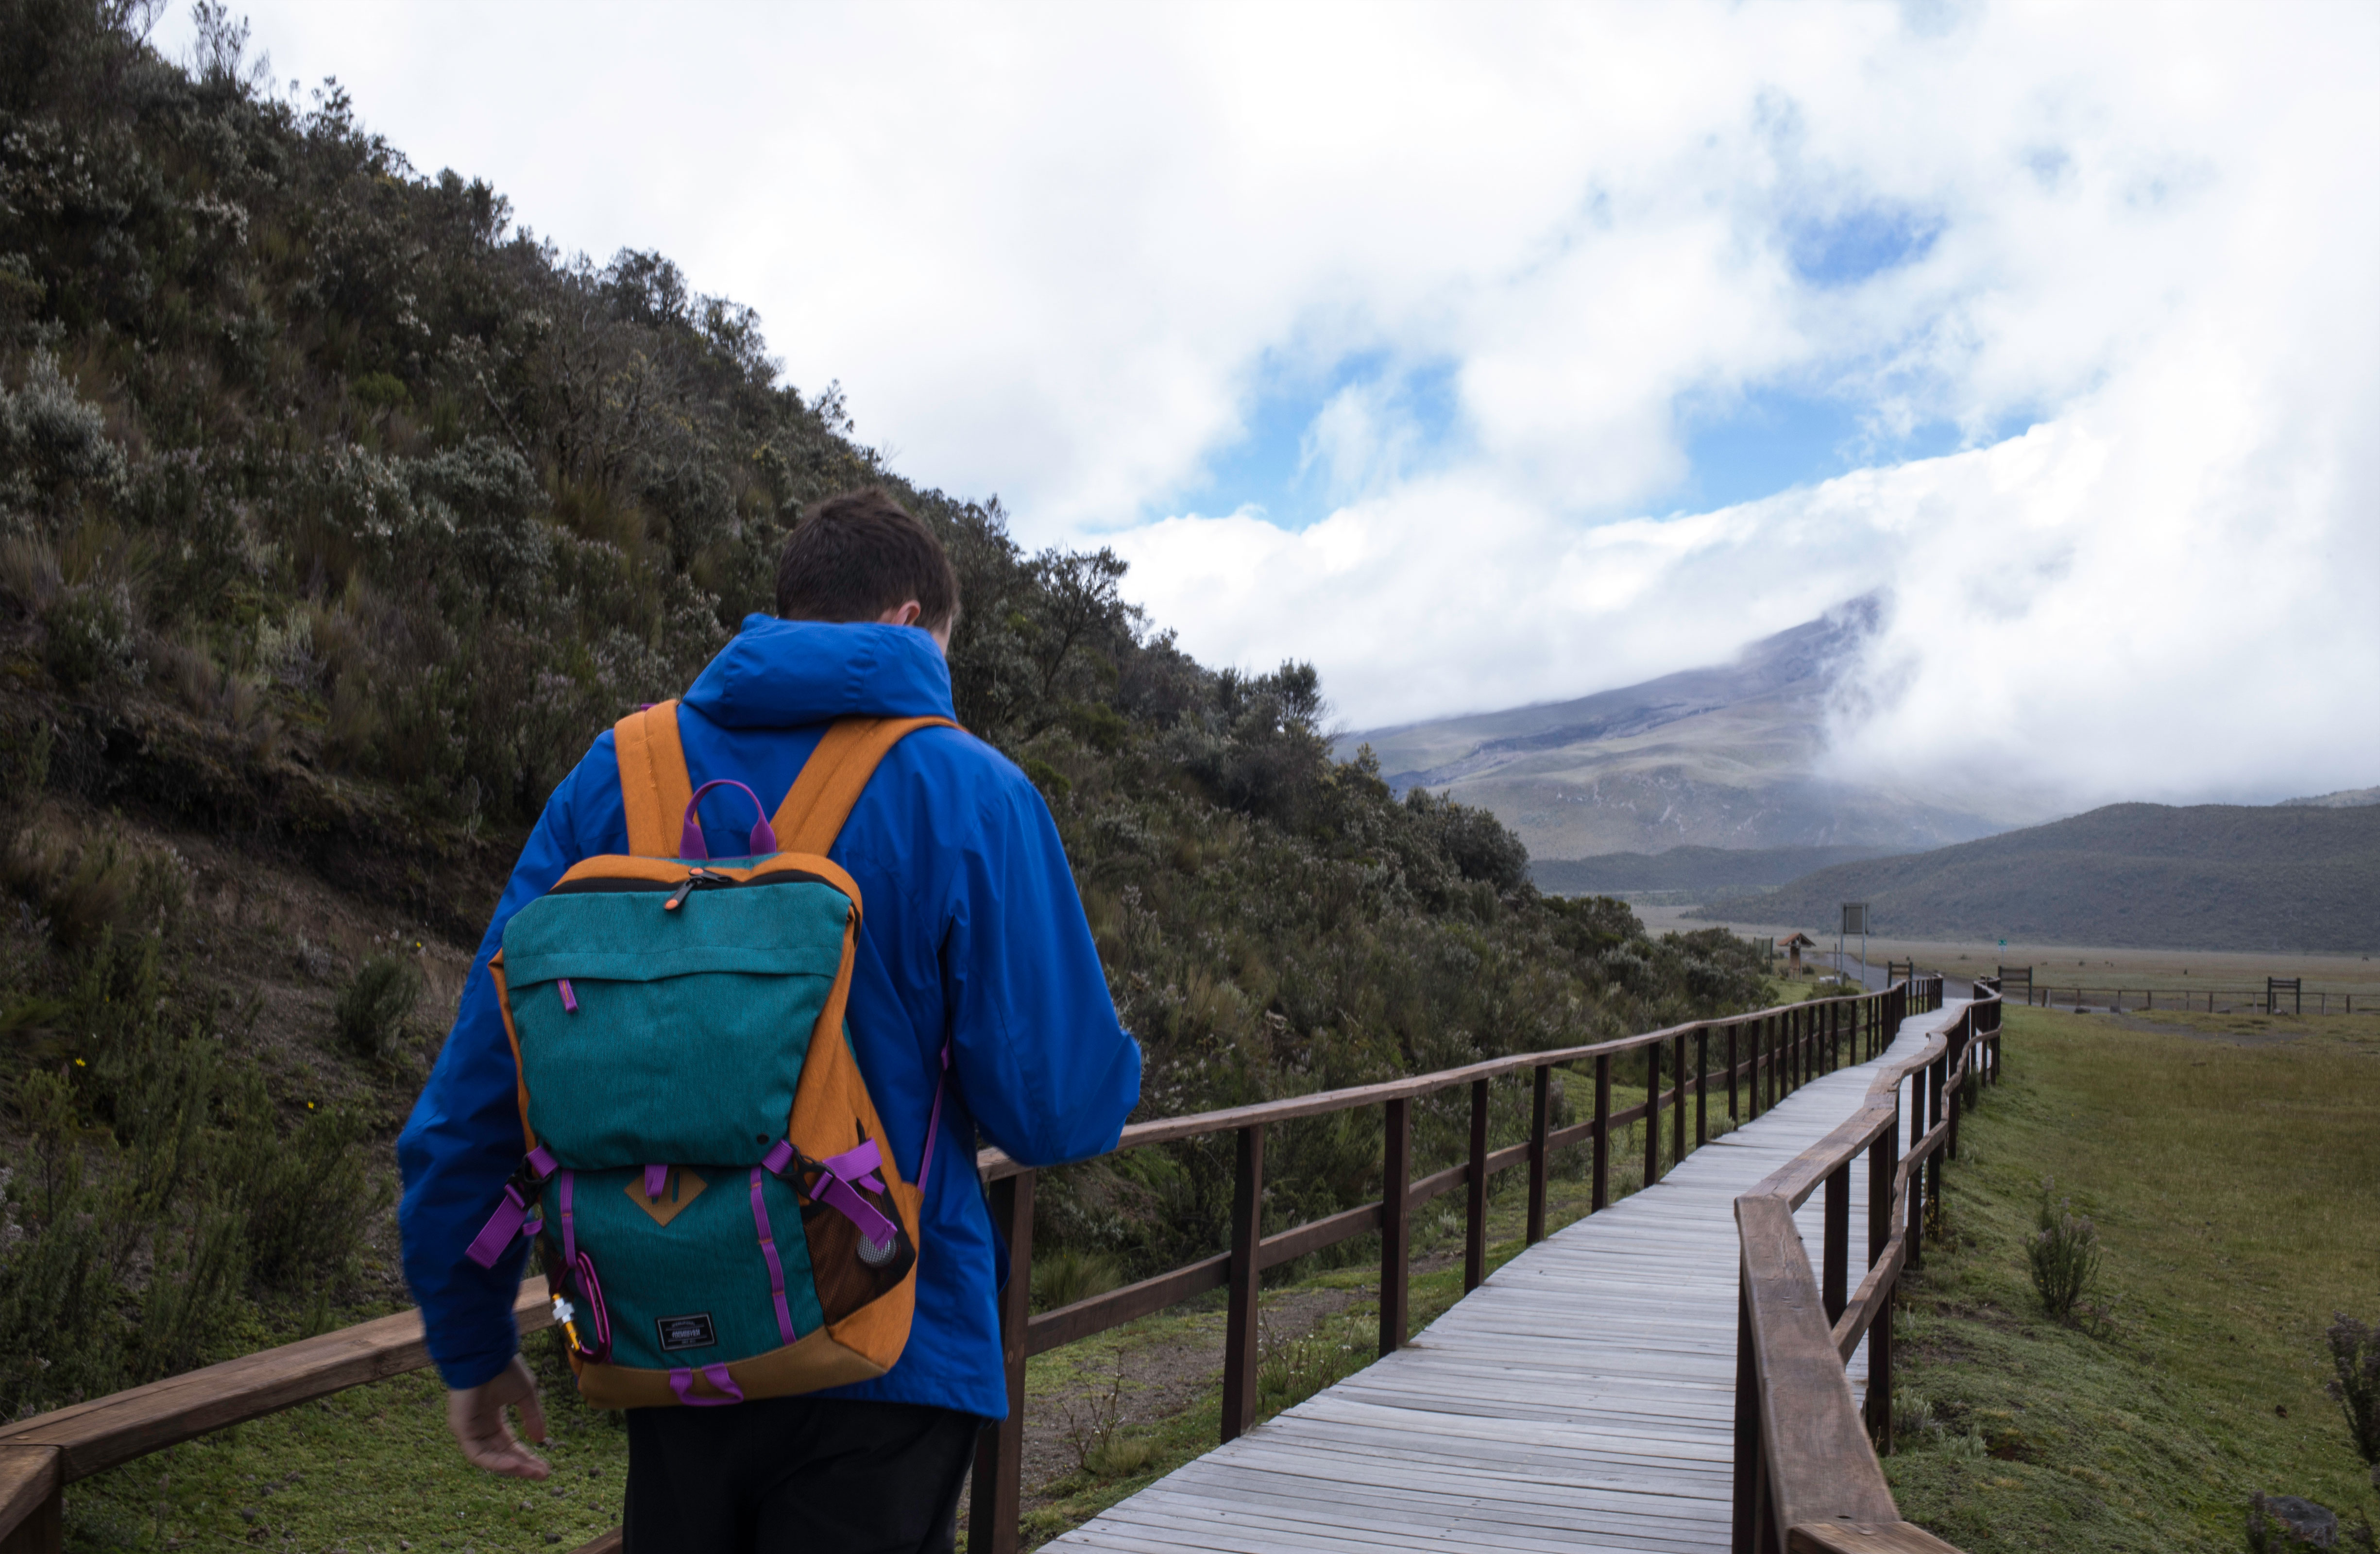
x: 100, y: 1434
x: 608, y: 1544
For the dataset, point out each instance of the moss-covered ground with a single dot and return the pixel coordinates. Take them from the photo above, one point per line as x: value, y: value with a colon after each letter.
x: 2230, y: 1166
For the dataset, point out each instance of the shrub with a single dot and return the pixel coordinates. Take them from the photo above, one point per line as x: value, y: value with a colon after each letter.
x: 89, y: 637
x: 373, y: 1010
x: 64, y: 1338
x: 1118, y: 1454
x: 2064, y: 1254
x: 2355, y: 1350
x: 194, y: 1295
x: 308, y: 1195
x: 1069, y: 1274
x: 1289, y: 1372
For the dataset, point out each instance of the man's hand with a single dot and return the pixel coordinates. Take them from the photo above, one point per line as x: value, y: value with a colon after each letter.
x: 476, y: 1414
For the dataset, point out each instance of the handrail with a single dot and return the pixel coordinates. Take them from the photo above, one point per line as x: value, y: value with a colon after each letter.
x: 1765, y: 1055
x: 1807, y: 1478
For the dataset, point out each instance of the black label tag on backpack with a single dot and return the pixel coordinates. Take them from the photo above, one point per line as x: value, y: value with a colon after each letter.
x: 685, y: 1332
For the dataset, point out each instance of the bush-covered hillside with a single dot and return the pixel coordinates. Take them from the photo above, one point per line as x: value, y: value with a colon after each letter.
x: 2152, y: 876
x: 338, y: 513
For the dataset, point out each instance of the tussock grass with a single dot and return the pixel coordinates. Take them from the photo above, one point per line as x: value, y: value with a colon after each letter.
x: 2232, y: 1181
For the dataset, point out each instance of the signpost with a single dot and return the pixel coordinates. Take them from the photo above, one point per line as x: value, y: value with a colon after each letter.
x: 1855, y: 922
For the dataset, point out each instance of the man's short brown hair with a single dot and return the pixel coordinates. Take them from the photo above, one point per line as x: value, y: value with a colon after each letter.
x: 855, y: 556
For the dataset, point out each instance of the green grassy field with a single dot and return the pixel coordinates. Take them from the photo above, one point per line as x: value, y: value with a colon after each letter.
x: 2231, y: 1165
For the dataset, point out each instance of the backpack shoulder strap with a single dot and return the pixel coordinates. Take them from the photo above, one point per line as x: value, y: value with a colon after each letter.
x: 832, y: 780
x: 654, y: 787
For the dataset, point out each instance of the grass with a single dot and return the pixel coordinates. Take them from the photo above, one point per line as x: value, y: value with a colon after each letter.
x: 369, y: 1471
x: 2231, y: 1173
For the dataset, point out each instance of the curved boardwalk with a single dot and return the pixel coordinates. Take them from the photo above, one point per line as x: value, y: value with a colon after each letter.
x: 1583, y: 1397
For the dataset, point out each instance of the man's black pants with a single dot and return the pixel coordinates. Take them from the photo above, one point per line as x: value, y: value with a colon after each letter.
x: 796, y: 1475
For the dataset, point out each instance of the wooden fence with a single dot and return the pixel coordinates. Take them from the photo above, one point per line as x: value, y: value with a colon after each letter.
x: 1807, y: 1479
x: 1761, y: 1057
x: 2281, y: 995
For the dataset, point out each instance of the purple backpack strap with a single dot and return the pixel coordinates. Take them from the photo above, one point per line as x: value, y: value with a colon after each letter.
x: 934, y: 1119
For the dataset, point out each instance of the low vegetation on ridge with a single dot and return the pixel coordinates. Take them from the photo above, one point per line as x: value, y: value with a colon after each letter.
x: 338, y: 513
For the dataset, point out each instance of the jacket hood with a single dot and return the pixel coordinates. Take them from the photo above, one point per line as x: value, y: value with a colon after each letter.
x: 788, y: 673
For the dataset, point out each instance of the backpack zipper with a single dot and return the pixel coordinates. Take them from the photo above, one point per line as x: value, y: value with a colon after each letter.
x: 699, y: 877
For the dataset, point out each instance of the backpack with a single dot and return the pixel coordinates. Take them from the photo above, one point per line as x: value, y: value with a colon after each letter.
x: 707, y: 1178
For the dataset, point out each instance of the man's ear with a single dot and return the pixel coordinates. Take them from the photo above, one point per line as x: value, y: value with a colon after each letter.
x: 907, y: 614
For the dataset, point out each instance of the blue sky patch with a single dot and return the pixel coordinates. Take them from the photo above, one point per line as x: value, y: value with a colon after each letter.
x: 1863, y: 241
x: 1774, y: 439
x: 1276, y: 465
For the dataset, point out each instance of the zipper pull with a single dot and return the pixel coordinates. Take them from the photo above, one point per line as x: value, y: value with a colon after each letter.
x: 699, y: 877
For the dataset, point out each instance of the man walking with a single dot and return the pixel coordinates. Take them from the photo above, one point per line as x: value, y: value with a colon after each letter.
x: 972, y: 942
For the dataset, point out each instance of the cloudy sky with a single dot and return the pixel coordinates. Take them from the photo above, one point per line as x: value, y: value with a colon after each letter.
x: 1486, y: 354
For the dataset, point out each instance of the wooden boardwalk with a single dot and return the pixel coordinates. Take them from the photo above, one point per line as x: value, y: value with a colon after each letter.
x: 1583, y: 1397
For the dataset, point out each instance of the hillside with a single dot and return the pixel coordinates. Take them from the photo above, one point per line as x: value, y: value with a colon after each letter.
x: 2213, y: 876
x: 1723, y: 757
x: 338, y: 514
x: 2346, y: 798
x: 1720, y: 870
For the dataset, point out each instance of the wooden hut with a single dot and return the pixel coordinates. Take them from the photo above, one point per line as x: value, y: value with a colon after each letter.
x: 1793, y: 944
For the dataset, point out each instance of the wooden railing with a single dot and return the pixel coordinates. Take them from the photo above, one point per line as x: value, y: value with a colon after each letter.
x: 1807, y: 1478
x: 1762, y: 1057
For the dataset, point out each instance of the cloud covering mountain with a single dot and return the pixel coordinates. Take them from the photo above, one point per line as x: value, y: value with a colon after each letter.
x: 1724, y: 756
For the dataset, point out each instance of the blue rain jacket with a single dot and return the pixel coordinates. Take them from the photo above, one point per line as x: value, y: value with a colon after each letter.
x: 970, y: 929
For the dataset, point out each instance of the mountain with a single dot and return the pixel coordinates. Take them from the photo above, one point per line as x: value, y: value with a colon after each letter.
x: 2209, y: 876
x: 1718, y: 870
x: 2346, y: 798
x: 1722, y: 758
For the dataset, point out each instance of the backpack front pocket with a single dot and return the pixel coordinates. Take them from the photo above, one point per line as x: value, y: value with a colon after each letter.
x: 679, y: 1035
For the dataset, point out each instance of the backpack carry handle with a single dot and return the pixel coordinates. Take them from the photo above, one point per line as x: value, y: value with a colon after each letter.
x: 690, y: 843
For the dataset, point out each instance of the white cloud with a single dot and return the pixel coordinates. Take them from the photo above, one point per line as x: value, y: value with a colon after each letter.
x: 1053, y: 250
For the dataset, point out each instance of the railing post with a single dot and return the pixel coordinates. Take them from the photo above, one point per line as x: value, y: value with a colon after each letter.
x: 1541, y: 1115
x: 1957, y: 1067
x: 1240, y: 1328
x: 1879, y: 1373
x: 1702, y: 1088
x: 1000, y: 1450
x: 1747, y: 1424
x: 1917, y: 1077
x: 1936, y: 1102
x: 1652, y: 1112
x: 1731, y: 1073
x: 1883, y: 1163
x: 1835, y: 1250
x: 1396, y: 1222
x: 1678, y: 1103
x: 1600, y: 1192
x: 1475, y: 1208
x: 1752, y: 1107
